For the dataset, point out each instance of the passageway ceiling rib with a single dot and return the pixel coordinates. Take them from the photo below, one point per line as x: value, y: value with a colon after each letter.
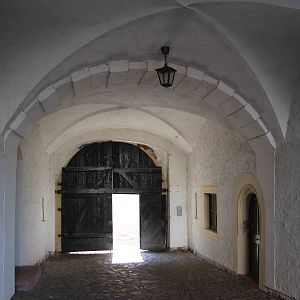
x: 43, y: 42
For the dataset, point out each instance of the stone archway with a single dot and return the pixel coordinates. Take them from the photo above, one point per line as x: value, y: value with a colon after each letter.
x: 246, y: 186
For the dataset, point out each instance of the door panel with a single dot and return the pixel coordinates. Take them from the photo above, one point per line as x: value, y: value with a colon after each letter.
x: 86, y: 223
x: 254, y: 238
x: 153, y: 225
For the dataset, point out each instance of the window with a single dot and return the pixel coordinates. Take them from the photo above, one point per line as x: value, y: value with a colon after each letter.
x: 210, y: 212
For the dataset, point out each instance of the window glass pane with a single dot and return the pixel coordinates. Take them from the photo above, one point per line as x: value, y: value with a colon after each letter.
x: 212, y: 207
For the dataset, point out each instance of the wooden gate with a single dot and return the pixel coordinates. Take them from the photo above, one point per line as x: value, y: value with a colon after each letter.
x: 96, y: 172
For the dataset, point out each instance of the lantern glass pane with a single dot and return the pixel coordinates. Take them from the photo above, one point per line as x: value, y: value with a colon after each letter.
x: 172, y: 77
x: 166, y: 75
x: 160, y: 76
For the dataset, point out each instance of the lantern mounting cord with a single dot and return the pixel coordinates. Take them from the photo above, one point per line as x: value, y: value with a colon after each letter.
x: 165, y: 51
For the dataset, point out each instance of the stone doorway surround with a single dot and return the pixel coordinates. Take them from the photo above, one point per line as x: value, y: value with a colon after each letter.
x: 247, y: 185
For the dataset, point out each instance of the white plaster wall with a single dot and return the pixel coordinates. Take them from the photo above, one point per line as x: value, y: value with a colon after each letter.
x: 10, y: 168
x: 35, y: 180
x: 2, y: 217
x: 287, y: 209
x: 219, y: 159
x: 177, y: 197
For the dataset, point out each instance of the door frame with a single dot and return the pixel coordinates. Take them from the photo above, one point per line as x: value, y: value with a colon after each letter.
x: 247, y: 185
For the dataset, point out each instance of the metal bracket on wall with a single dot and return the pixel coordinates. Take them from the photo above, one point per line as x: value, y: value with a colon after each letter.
x: 43, y: 209
x: 196, y: 206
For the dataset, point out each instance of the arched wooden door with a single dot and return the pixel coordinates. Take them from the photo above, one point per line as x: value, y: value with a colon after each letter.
x: 96, y: 172
x: 254, y: 238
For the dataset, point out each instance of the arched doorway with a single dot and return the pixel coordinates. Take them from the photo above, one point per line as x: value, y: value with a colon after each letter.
x: 253, y: 237
x: 96, y: 172
x: 250, y: 229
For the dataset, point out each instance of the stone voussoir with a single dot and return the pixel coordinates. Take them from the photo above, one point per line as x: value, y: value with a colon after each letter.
x: 99, y: 76
x: 219, y: 95
x: 81, y: 82
x: 22, y: 124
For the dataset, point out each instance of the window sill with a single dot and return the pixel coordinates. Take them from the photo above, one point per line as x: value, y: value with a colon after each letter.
x: 211, y: 233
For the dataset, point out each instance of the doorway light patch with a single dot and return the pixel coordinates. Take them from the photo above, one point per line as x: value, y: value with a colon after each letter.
x: 127, y: 255
x: 126, y: 228
x: 90, y: 252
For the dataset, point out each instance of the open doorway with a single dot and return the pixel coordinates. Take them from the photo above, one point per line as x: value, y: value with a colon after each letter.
x: 126, y: 228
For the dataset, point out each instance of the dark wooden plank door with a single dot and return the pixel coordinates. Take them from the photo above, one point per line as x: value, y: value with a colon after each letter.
x: 87, y: 199
x: 86, y: 223
x: 96, y: 172
x: 153, y: 221
x: 254, y: 238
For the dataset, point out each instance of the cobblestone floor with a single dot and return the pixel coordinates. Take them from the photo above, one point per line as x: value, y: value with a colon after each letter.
x: 174, y: 275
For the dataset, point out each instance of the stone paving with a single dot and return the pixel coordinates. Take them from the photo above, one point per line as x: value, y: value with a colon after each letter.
x: 173, y: 275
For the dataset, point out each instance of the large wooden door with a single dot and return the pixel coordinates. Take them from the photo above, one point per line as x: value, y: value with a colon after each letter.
x: 96, y: 172
x: 254, y: 238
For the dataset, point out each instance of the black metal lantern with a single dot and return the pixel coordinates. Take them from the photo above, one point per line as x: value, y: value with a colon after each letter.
x: 166, y: 74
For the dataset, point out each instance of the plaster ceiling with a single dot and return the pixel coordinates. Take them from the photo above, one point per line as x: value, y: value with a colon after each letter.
x: 178, y: 127
x: 253, y: 47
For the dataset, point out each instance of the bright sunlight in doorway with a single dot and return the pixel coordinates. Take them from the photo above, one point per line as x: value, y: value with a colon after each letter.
x: 126, y: 228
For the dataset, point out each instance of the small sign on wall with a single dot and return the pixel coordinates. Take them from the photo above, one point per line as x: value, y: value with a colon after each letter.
x: 179, y: 211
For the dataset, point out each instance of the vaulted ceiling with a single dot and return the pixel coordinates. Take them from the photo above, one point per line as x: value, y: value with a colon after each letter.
x: 252, y: 46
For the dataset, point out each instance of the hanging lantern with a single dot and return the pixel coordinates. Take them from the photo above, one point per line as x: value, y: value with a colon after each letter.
x: 166, y: 74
